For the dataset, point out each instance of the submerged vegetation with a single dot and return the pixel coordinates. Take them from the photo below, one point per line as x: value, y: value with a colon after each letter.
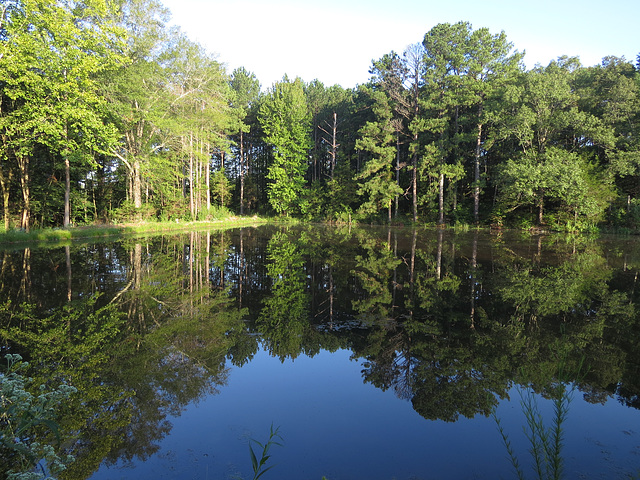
x: 109, y: 115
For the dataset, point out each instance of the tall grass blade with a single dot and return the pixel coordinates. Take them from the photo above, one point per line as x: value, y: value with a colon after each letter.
x: 258, y: 466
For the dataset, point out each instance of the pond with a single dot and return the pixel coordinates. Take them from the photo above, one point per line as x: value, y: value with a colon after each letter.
x: 377, y: 353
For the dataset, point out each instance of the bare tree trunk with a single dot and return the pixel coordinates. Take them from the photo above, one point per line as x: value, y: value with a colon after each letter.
x: 5, y: 183
x: 334, y: 145
x: 540, y: 206
x: 414, y: 185
x: 137, y: 184
x: 23, y: 165
x: 441, y: 200
x: 67, y: 193
x: 241, y: 173
x: 476, y: 171
x: 222, y: 189
x: 208, y: 174
x: 192, y: 208
x: 397, y: 169
x: 439, y: 255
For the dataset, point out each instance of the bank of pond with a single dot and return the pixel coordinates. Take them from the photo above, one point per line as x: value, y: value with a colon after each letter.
x: 380, y: 352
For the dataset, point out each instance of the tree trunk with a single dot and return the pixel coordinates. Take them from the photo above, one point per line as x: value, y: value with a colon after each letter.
x: 5, y: 209
x: 5, y: 184
x: 334, y: 145
x: 23, y: 165
x: 136, y: 184
x: 397, y: 169
x: 439, y: 255
x: 192, y: 208
x: 540, y: 205
x: 241, y: 174
x: 441, y: 200
x: 67, y: 193
x: 208, y: 175
x: 476, y: 173
x: 222, y: 179
x: 414, y: 185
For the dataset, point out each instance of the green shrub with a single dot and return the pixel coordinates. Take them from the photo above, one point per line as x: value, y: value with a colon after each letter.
x: 127, y: 212
x: 25, y: 419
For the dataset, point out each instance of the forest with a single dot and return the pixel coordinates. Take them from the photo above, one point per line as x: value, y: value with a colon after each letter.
x: 110, y: 115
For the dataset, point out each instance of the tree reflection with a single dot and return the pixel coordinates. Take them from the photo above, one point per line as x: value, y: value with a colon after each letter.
x: 137, y: 359
x: 284, y: 315
x: 446, y: 321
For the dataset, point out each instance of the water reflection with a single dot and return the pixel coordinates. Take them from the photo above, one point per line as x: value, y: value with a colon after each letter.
x: 449, y: 322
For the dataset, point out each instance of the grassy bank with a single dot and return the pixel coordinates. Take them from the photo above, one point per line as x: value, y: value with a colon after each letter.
x: 64, y: 236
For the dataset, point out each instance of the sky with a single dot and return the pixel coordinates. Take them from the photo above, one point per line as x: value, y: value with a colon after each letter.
x: 335, y: 41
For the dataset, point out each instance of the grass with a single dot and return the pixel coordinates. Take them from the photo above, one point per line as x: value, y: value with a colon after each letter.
x: 64, y: 236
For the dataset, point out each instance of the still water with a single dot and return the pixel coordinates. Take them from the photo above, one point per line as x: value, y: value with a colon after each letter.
x: 377, y: 353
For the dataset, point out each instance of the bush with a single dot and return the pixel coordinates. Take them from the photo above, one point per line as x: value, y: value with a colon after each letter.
x: 24, y: 419
x: 129, y: 213
x: 215, y: 212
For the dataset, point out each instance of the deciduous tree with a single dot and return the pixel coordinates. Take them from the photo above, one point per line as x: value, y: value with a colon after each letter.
x: 284, y: 117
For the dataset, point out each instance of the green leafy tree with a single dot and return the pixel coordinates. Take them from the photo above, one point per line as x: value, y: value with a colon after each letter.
x: 550, y: 130
x: 246, y: 90
x: 199, y: 117
x: 377, y: 138
x: 402, y: 78
x: 491, y: 66
x: 465, y: 70
x: 50, y: 56
x: 444, y: 47
x: 137, y: 93
x: 284, y: 118
x: 611, y: 92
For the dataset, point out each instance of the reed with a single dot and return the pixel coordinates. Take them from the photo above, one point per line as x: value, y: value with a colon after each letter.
x: 545, y: 442
x: 258, y: 466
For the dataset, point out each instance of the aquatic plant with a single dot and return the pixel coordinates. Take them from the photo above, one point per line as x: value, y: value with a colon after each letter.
x: 545, y: 442
x: 258, y: 466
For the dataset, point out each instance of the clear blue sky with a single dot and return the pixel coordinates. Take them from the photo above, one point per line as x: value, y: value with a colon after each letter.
x: 336, y: 40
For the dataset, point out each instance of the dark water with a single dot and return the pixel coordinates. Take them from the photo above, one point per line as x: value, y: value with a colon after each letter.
x: 379, y: 353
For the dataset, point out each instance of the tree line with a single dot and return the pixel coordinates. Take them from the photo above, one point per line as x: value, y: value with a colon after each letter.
x: 109, y: 114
